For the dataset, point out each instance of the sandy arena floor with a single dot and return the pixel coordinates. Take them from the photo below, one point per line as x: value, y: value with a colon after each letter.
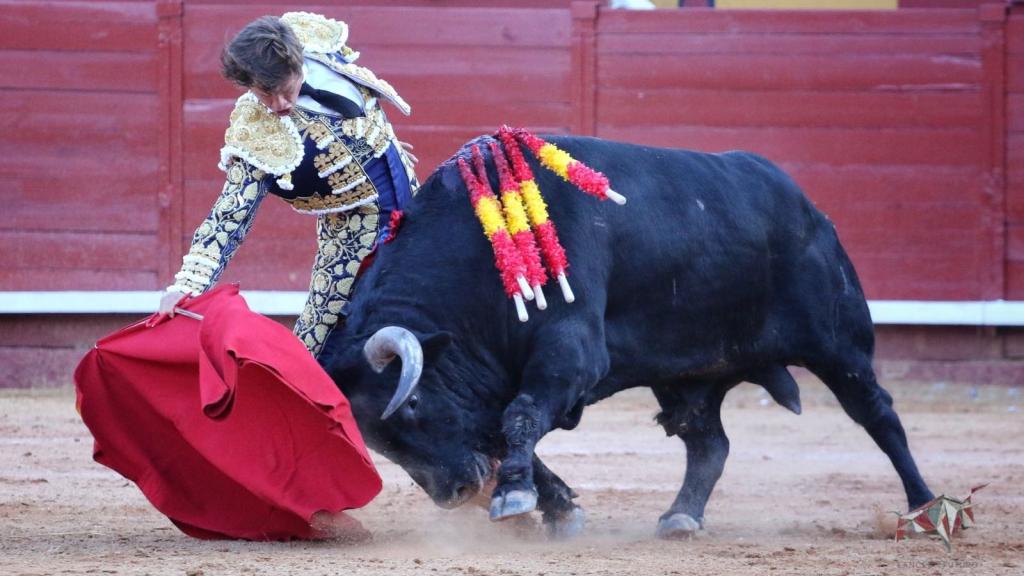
x: 800, y: 495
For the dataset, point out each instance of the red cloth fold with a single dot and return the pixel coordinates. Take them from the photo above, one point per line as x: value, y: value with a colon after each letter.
x: 228, y: 425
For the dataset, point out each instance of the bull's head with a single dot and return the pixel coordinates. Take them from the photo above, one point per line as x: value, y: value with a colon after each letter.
x: 433, y: 424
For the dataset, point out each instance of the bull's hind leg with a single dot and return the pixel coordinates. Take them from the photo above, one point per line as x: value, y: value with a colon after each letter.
x: 853, y: 382
x: 694, y: 413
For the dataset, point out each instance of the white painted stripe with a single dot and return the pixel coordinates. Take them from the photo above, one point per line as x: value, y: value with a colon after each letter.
x: 948, y: 313
x: 270, y: 302
x: 274, y: 302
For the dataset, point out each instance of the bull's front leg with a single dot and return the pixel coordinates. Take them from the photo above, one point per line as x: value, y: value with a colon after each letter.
x: 524, y: 482
x: 570, y: 359
x: 523, y: 425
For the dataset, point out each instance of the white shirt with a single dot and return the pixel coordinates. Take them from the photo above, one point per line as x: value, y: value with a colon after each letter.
x: 321, y: 77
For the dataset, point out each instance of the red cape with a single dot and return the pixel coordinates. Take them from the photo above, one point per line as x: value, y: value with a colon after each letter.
x: 228, y: 425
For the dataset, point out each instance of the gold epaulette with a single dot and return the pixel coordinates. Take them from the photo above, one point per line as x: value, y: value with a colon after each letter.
x: 364, y: 77
x: 321, y: 36
x: 261, y: 138
x: 317, y: 33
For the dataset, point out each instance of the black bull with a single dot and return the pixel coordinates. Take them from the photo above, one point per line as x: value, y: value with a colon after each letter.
x: 717, y: 271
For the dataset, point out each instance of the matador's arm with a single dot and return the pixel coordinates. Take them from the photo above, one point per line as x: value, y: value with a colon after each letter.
x: 223, y: 230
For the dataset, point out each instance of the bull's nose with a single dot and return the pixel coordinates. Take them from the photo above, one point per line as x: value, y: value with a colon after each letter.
x: 459, y: 496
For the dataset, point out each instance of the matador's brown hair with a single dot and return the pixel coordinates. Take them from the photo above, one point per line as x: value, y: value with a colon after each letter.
x: 264, y: 55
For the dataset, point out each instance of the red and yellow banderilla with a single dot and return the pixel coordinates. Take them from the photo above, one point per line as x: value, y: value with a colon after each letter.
x: 537, y: 211
x: 519, y: 225
x: 488, y: 211
x: 570, y: 169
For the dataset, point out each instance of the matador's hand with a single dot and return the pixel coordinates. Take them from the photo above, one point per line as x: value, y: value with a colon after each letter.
x: 408, y: 151
x: 168, y: 301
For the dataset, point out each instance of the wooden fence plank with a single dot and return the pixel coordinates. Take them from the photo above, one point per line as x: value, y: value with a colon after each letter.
x: 431, y: 73
x: 1015, y: 33
x: 97, y: 120
x: 509, y: 28
x: 80, y: 330
x: 82, y: 26
x: 78, y: 251
x: 63, y: 203
x: 51, y: 279
x: 840, y: 186
x: 1015, y: 243
x: 38, y: 367
x: 79, y: 71
x: 1015, y: 280
x: 1015, y: 74
x: 893, y: 276
x: 799, y: 72
x: 791, y: 108
x: 1015, y: 177
x: 841, y: 146
x: 754, y: 42
x: 901, y: 22
x: 1015, y: 112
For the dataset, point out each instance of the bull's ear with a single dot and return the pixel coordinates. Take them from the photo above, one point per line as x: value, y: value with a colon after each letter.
x: 434, y: 346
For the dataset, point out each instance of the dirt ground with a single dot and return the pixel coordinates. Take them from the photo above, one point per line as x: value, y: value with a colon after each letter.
x: 802, y: 495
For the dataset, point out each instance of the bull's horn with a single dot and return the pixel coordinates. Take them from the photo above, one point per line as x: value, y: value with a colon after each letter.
x: 381, y: 349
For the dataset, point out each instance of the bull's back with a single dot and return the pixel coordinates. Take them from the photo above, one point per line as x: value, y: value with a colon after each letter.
x: 704, y: 261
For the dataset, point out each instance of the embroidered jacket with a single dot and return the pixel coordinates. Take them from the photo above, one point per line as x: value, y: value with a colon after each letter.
x: 320, y: 163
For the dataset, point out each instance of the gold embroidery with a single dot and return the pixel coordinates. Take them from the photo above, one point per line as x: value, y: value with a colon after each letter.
x: 346, y: 179
x: 320, y: 134
x: 336, y: 157
x: 361, y: 194
x: 344, y: 241
x: 223, y: 230
x: 261, y: 138
x: 236, y: 173
x: 317, y: 33
x: 373, y: 128
x: 362, y: 191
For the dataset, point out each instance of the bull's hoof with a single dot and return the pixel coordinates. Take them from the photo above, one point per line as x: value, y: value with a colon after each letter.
x: 512, y: 504
x: 678, y: 527
x: 567, y: 525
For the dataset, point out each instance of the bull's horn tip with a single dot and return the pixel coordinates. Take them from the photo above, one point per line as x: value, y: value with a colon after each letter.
x: 615, y: 197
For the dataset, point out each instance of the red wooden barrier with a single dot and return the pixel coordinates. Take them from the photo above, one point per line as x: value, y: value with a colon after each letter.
x: 905, y: 126
x: 885, y: 119
x: 80, y: 170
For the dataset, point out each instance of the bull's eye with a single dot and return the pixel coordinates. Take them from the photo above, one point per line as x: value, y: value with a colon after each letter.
x: 413, y: 401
